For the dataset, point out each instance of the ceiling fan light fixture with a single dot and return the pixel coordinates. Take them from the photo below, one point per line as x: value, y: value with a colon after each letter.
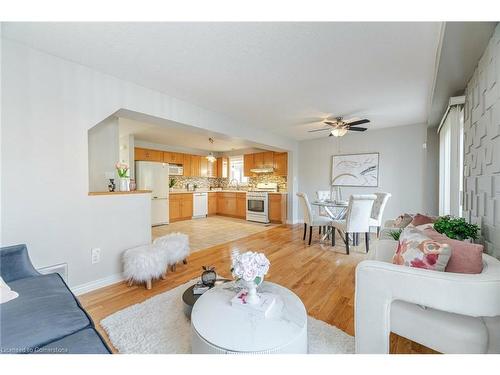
x: 339, y: 132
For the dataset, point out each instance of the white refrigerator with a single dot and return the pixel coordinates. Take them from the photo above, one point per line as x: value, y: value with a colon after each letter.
x: 154, y: 176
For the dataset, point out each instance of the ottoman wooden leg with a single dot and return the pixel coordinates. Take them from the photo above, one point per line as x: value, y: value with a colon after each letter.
x: 172, y: 267
x: 164, y: 275
x: 185, y: 261
x: 148, y: 284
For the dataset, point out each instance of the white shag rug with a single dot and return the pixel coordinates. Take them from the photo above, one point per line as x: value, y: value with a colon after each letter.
x: 159, y: 326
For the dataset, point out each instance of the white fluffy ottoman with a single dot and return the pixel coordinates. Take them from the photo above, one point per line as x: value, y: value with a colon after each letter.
x: 143, y: 264
x: 175, y: 247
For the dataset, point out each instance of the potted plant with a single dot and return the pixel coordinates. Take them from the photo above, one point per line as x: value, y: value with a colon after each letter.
x: 456, y: 228
x: 122, y: 170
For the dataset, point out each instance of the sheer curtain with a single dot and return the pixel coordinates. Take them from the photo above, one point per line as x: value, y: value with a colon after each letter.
x: 451, y: 151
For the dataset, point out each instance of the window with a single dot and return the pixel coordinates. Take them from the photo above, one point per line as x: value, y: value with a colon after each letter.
x: 451, y: 160
x: 236, y: 170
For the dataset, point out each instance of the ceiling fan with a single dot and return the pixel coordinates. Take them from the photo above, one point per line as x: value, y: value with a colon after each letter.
x: 338, y: 127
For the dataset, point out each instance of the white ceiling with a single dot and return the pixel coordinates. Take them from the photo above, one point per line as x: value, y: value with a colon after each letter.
x: 269, y: 75
x: 177, y: 135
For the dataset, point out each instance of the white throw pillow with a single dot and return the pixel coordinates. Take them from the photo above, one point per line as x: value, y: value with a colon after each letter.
x: 6, y: 294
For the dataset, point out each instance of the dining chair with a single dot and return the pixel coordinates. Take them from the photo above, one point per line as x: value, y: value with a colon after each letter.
x: 323, y: 195
x: 378, y: 210
x: 310, y: 219
x: 357, y: 219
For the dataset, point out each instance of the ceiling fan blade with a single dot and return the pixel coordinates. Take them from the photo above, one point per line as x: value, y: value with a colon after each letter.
x: 357, y: 129
x: 359, y: 122
x: 319, y: 130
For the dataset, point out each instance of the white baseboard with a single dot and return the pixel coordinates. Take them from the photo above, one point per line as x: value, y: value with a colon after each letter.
x: 96, y: 284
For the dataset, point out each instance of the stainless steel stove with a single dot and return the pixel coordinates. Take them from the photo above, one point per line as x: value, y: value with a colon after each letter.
x: 257, y: 202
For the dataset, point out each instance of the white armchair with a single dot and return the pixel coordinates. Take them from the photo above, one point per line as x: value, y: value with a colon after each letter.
x: 447, y: 312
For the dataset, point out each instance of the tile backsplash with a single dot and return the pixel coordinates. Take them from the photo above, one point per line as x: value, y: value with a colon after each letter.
x: 280, y: 180
x: 215, y: 182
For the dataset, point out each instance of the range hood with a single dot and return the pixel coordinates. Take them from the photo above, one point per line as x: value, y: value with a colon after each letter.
x: 262, y: 170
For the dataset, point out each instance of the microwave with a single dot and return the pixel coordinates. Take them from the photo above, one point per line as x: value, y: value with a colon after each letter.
x: 175, y: 170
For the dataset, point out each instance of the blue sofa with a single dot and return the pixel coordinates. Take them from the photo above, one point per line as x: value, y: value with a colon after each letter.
x: 46, y: 317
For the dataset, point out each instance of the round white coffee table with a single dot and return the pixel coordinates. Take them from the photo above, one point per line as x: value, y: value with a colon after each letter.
x: 219, y: 328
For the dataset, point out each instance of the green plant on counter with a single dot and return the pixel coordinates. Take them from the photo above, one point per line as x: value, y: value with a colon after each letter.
x: 395, y: 234
x: 456, y: 228
x: 171, y: 183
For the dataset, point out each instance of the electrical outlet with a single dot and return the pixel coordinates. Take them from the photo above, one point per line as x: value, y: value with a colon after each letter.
x: 95, y: 255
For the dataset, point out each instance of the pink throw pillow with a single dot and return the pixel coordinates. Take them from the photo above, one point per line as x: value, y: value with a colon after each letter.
x: 420, y: 219
x: 465, y: 257
x: 417, y: 250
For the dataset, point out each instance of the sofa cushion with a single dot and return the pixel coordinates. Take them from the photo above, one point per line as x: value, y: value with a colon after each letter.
x: 44, y: 311
x: 465, y: 257
x: 417, y: 250
x: 420, y: 219
x: 86, y: 341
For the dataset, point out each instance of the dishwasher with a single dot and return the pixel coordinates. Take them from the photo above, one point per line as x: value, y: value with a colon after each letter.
x: 200, y: 205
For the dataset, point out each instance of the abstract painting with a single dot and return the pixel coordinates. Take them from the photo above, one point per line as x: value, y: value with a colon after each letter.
x: 355, y: 170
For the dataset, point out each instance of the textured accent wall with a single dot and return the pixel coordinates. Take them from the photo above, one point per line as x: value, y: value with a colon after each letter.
x: 482, y: 147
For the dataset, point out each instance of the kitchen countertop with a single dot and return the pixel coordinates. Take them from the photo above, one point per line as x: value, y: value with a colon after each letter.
x: 181, y: 191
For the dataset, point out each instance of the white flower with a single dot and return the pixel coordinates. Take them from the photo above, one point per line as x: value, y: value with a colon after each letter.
x: 249, y: 265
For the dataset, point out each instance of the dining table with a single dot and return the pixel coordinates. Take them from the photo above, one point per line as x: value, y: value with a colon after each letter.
x: 336, y: 210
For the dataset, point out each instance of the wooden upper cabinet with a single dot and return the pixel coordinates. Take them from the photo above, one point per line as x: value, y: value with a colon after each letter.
x: 258, y: 160
x: 268, y: 159
x: 203, y: 167
x: 195, y: 165
x: 281, y: 163
x: 186, y: 163
x: 148, y: 155
x: 248, y: 163
x: 173, y: 157
x: 223, y: 167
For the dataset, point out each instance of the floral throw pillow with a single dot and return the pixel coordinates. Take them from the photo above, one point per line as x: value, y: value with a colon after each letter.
x: 417, y: 250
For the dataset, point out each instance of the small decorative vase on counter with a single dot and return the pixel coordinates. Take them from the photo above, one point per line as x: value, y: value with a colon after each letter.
x: 132, y: 185
x: 111, y: 185
x: 124, y: 184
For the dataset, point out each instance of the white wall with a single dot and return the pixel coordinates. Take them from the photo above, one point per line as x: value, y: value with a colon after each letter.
x: 49, y: 104
x: 104, y: 153
x: 401, y: 168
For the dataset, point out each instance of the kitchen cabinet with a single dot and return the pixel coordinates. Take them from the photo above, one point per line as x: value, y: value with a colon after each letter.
x: 186, y: 164
x: 203, y: 167
x: 212, y: 203
x: 258, y: 160
x: 268, y: 159
x: 180, y: 206
x: 248, y: 163
x: 173, y: 157
x: 195, y: 165
x: 144, y: 154
x: 241, y: 205
x: 277, y: 205
x: 223, y: 167
x: 281, y: 163
x: 226, y: 204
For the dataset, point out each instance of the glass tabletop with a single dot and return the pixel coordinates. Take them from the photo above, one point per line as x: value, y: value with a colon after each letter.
x: 330, y: 203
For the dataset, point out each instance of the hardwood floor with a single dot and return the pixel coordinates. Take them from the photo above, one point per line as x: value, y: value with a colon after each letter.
x: 322, y: 276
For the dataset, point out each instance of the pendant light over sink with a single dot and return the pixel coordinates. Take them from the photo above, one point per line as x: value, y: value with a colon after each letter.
x: 210, y: 157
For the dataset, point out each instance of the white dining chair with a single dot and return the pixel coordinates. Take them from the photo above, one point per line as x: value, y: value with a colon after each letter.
x: 310, y: 219
x: 378, y: 210
x: 357, y: 219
